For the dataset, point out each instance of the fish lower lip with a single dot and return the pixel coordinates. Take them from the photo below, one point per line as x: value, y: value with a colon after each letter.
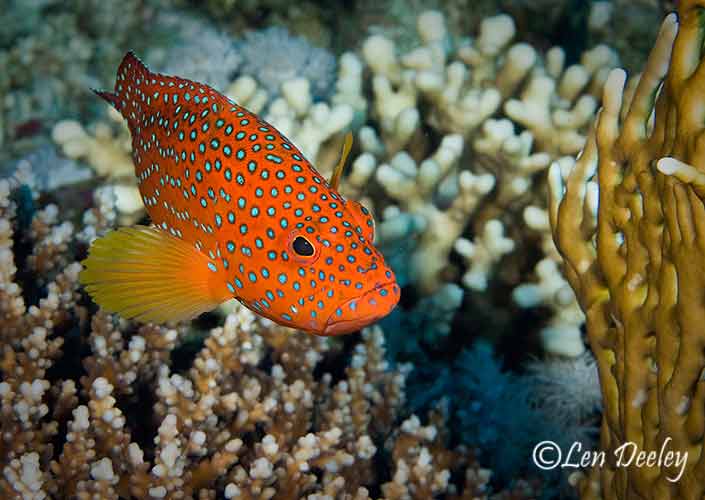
x: 339, y: 324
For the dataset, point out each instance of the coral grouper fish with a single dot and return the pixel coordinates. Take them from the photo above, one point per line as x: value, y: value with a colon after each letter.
x: 239, y: 212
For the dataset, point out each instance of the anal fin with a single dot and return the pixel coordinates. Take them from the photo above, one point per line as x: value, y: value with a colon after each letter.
x: 145, y: 273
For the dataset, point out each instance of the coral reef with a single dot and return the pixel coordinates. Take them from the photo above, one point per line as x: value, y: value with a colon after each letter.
x: 466, y: 192
x: 92, y: 406
x: 451, y: 202
x: 458, y: 110
x: 637, y: 269
x: 52, y: 52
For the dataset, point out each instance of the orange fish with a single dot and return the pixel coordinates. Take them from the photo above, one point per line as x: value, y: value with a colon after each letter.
x: 239, y: 212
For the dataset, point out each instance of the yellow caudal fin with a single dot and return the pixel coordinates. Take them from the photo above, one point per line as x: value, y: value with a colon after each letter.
x: 147, y: 274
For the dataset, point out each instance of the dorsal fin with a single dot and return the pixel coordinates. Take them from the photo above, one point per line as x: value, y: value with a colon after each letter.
x: 338, y: 170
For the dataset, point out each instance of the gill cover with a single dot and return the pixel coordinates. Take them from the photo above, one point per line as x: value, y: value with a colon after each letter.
x: 364, y: 219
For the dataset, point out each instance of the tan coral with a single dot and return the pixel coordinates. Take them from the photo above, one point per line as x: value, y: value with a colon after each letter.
x: 461, y: 90
x: 422, y: 465
x: 640, y: 280
x: 556, y: 105
x: 252, y: 416
x: 482, y: 253
x: 312, y: 126
x: 23, y: 478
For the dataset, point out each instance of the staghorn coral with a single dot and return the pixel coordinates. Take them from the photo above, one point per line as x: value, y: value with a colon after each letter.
x: 637, y: 272
x: 460, y: 132
x: 468, y: 85
x: 259, y: 411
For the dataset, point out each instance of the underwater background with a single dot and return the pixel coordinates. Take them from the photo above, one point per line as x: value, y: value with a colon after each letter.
x: 457, y: 107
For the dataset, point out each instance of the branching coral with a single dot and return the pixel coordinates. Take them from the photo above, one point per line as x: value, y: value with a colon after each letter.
x: 412, y: 185
x: 638, y: 273
x: 453, y: 136
x: 107, y: 152
x: 262, y: 412
x: 252, y: 415
x: 502, y: 111
x: 288, y: 57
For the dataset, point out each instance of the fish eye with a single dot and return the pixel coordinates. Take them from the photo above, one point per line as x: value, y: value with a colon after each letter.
x: 302, y: 246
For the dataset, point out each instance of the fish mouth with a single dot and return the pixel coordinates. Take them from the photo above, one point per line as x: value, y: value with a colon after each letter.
x: 363, y: 310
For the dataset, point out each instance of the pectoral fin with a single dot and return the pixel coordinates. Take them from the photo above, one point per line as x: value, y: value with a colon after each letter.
x: 147, y: 274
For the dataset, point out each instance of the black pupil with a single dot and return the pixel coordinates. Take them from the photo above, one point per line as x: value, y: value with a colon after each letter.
x: 302, y: 247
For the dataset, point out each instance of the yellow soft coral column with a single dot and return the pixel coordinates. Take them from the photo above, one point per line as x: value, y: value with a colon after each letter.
x: 639, y: 273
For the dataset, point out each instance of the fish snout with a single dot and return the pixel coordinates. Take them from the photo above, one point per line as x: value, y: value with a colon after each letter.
x: 364, y: 309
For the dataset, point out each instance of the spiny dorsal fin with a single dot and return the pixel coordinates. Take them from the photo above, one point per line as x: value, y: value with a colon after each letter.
x: 338, y: 170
